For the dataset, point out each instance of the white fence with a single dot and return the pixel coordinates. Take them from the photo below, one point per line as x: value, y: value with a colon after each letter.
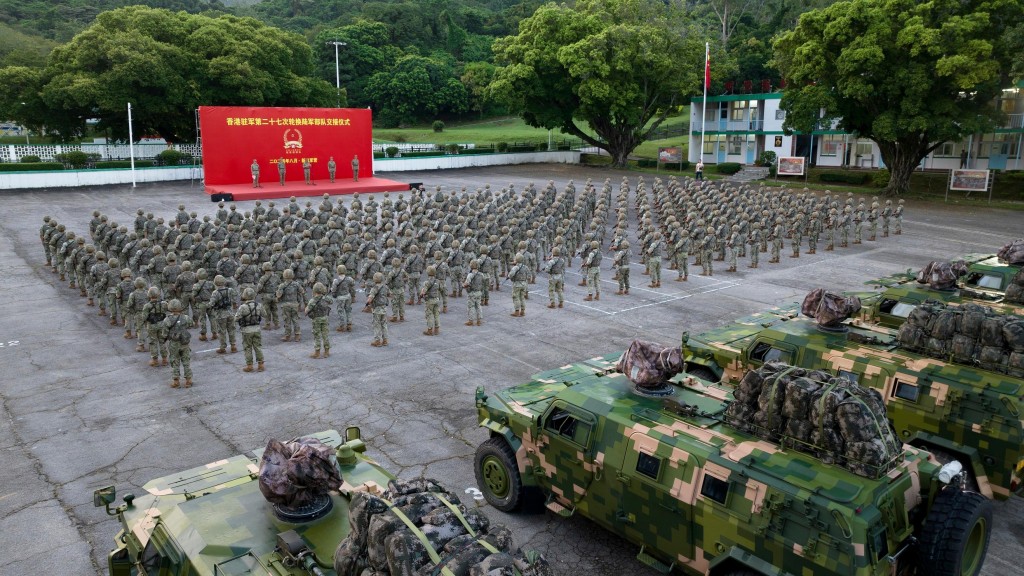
x: 48, y: 152
x: 452, y: 161
x: 96, y: 177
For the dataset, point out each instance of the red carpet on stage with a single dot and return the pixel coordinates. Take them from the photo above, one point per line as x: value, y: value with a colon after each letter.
x: 243, y: 192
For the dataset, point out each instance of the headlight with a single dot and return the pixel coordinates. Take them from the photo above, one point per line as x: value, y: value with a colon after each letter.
x: 949, y: 471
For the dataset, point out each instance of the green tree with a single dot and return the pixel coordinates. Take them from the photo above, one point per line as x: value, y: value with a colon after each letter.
x: 417, y: 88
x: 366, y: 52
x: 167, y: 64
x: 618, y: 67
x: 477, y: 77
x: 908, y: 75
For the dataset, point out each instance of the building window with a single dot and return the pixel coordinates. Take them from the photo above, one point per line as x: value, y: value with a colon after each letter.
x: 864, y: 149
x: 830, y: 144
x: 735, y: 145
x: 1004, y: 144
x: 946, y: 149
x: 709, y: 146
x: 739, y: 110
x: 780, y: 114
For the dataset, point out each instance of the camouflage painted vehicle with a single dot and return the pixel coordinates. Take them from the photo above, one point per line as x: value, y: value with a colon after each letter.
x: 698, y: 495
x: 171, y: 530
x: 957, y: 411
x: 989, y: 276
x: 891, y: 307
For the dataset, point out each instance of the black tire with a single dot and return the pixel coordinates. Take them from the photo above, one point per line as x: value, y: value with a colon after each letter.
x: 956, y: 534
x: 702, y: 372
x: 498, y: 475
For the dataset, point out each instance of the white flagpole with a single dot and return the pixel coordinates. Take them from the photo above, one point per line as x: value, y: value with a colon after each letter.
x: 704, y: 108
x: 131, y: 143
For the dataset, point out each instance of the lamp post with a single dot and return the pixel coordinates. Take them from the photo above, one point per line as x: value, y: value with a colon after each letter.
x: 27, y: 143
x: 337, y: 70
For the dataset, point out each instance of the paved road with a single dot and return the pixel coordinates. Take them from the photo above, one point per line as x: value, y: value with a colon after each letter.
x: 82, y: 410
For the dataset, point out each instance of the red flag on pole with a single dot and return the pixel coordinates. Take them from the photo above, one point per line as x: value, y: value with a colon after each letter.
x: 707, y: 65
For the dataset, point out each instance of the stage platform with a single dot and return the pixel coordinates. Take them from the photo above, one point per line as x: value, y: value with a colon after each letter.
x: 273, y: 190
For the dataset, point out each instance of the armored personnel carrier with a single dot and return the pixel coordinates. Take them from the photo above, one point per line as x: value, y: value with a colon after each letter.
x: 667, y: 471
x: 957, y: 407
x: 255, y: 514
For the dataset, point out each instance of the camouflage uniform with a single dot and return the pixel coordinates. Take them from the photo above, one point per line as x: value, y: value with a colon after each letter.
x: 796, y: 237
x: 733, y: 244
x: 621, y: 263
x: 318, y: 309
x: 430, y: 293
x: 222, y: 303
x: 291, y: 296
x: 682, y: 254
x: 886, y: 215
x: 754, y: 241
x: 343, y: 290
x: 154, y: 313
x: 898, y: 216
x: 776, y: 237
x: 266, y: 290
x: 176, y: 325
x: 706, y: 246
x: 592, y: 263
x: 248, y: 319
x: 654, y: 250
x: 396, y: 278
x: 520, y: 276
x: 555, y: 267
x: 377, y: 300
x: 475, y: 283
x: 133, y: 307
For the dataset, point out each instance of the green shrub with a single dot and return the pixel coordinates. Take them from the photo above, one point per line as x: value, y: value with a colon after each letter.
x: 855, y: 178
x: 378, y: 154
x: 646, y: 163
x: 768, y: 158
x: 30, y: 166
x: 391, y: 151
x: 77, y: 158
x: 172, y: 157
x: 437, y: 126
x: 880, y: 178
x: 478, y: 150
x: 502, y: 146
x: 595, y: 160
x: 728, y: 168
x: 401, y: 138
x: 125, y: 164
x: 452, y: 149
x: 30, y: 158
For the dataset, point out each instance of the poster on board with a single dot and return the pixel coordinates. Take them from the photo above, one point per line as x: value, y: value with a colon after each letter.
x: 969, y: 180
x: 791, y: 166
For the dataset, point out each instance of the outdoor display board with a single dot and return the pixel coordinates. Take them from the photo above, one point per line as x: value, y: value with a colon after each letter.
x: 791, y: 166
x: 232, y: 136
x: 969, y: 180
x: 670, y: 155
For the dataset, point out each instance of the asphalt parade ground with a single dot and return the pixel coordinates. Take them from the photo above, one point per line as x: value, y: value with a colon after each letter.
x: 81, y: 409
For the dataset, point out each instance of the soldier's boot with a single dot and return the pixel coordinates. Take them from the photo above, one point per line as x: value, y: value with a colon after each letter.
x: 703, y: 274
x: 898, y: 232
x: 597, y: 296
x: 844, y: 245
x: 469, y: 322
x: 551, y: 305
x: 327, y: 352
x: 452, y: 295
x: 522, y: 312
x: 885, y: 234
x: 401, y: 317
x: 82, y: 292
x: 795, y: 255
x: 222, y: 350
x: 582, y: 283
x: 619, y: 292
x: 127, y: 334
x: 711, y: 272
x: 233, y: 349
x: 589, y: 298
x: 90, y: 302
x: 286, y: 338
x: 408, y: 302
x: 375, y: 343
x: 419, y: 301
x: 298, y: 337
x: 626, y: 291
x: 214, y: 336
x: 384, y: 342
x: 486, y: 302
x: 752, y: 266
x: 153, y: 362
x: 437, y: 331
x: 315, y: 354
x: 560, y: 304
x: 259, y: 366
x: 188, y: 382
x: 348, y: 328
x: 163, y: 361
x: 526, y: 296
x: 478, y: 322
x: 266, y: 326
x: 815, y: 250
x: 444, y: 310
x: 202, y: 337
x: 248, y: 368
x: 515, y: 314
x: 829, y: 248
x: 61, y: 277
x: 102, y: 312
x: 339, y: 329
x: 277, y: 326
x: 428, y: 332
x: 652, y: 285
x: 175, y: 383
x: 394, y: 319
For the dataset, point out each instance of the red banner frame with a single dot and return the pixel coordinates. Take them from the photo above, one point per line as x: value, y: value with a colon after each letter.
x: 233, y: 136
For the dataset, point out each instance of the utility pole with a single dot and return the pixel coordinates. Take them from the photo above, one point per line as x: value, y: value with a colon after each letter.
x: 337, y: 69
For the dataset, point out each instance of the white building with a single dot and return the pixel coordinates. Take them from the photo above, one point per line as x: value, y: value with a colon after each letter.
x: 739, y: 127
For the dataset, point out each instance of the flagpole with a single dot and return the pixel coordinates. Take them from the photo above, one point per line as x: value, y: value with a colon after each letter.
x: 704, y: 107
x: 131, y: 143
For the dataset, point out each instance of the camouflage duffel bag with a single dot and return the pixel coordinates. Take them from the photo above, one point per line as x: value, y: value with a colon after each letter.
x: 825, y: 435
x: 1013, y: 333
x: 869, y: 459
x: 799, y: 395
x: 417, y: 528
x: 1012, y: 253
x: 992, y: 332
x: 992, y: 357
x: 972, y: 320
x: 1015, y: 293
x: 1015, y: 364
x: 648, y: 363
x: 963, y: 348
x: 945, y: 324
x: 911, y: 336
x: 297, y: 472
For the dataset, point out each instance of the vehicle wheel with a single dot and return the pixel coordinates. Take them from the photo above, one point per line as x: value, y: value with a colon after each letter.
x: 498, y: 474
x: 956, y: 534
x: 702, y: 372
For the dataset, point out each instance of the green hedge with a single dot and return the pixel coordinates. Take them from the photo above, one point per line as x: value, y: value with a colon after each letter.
x: 728, y: 168
x: 855, y: 178
x: 486, y: 150
x: 125, y: 164
x: 668, y: 166
x: 30, y: 166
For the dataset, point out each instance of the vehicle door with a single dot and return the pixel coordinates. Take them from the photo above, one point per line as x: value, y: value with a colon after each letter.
x: 564, y: 444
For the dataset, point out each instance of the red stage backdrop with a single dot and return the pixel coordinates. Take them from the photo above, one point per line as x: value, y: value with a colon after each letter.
x: 235, y: 135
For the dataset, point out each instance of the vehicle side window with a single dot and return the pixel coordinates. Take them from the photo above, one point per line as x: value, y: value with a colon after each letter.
x: 902, y: 309
x: 886, y: 305
x: 567, y: 425
x: 765, y: 352
x: 906, y: 391
x: 715, y: 488
x: 648, y: 465
x: 982, y: 280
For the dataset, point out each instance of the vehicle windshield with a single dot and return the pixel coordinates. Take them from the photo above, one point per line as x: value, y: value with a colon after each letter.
x: 902, y: 309
x: 990, y: 281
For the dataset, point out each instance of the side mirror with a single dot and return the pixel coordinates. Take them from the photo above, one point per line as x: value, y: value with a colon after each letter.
x: 686, y: 338
x: 353, y: 433
x: 104, y: 496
